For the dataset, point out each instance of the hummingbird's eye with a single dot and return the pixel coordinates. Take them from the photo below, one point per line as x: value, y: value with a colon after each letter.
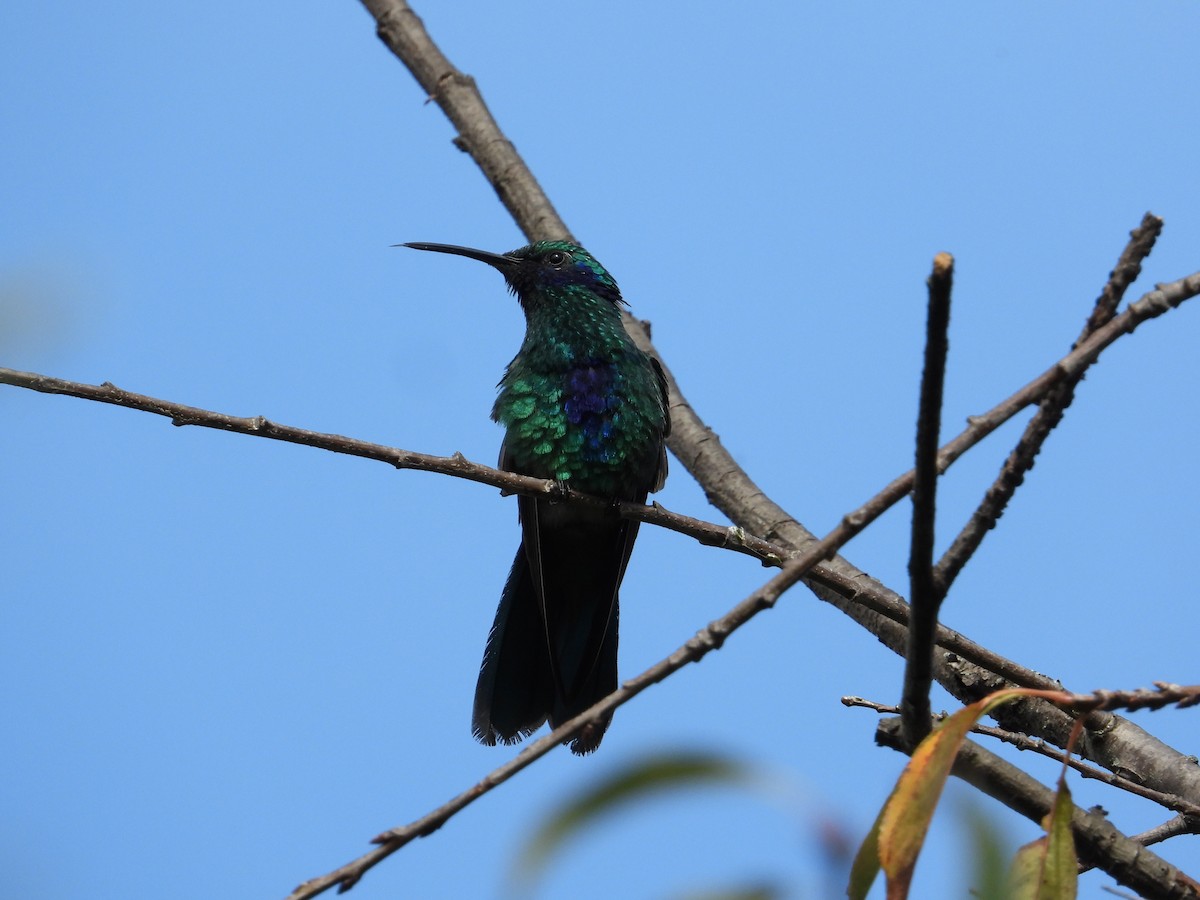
x: 556, y: 258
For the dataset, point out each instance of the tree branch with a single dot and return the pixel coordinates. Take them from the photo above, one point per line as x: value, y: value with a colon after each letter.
x: 1050, y: 410
x: 924, y: 597
x: 1169, y: 829
x: 1164, y: 695
x: 1037, y: 745
x: 1129, y: 266
x: 478, y: 134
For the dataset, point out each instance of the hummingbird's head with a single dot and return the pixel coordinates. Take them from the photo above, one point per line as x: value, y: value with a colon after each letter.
x: 543, y: 271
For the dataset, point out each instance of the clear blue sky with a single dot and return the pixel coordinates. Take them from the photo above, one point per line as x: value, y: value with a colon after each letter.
x: 228, y: 662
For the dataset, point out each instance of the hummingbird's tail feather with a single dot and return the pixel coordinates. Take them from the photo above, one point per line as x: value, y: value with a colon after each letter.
x: 598, y: 684
x: 577, y: 558
x: 516, y: 684
x: 552, y: 652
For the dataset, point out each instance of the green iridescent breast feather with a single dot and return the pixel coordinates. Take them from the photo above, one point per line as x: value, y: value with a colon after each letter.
x: 596, y: 423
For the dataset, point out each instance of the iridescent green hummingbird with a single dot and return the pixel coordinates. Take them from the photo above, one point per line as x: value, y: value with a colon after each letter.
x: 582, y: 405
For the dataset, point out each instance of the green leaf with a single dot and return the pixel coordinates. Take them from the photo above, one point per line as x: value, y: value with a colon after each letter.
x: 987, y: 851
x: 1048, y: 868
x: 748, y: 892
x: 1062, y: 864
x: 637, y: 781
x: 866, y: 863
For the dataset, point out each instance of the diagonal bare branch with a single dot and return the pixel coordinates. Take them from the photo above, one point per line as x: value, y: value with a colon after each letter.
x: 1037, y: 745
x: 1169, y: 829
x: 1050, y: 410
x: 1125, y: 273
x: 478, y: 134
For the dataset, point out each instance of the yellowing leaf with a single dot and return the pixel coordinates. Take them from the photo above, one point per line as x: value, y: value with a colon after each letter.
x: 1025, y: 875
x: 905, y: 819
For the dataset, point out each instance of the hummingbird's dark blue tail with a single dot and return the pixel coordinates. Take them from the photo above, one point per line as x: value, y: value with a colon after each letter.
x: 552, y: 652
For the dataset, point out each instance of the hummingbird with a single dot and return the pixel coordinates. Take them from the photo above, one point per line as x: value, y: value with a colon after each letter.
x: 583, y: 406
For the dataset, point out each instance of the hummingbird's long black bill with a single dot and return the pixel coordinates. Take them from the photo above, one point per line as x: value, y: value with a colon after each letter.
x: 497, y: 260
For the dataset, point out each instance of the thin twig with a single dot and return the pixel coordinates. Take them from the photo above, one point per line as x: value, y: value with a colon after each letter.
x: 1164, y: 694
x: 1050, y: 410
x: 1167, y: 830
x: 1125, y: 273
x: 853, y: 701
x: 1153, y: 304
x: 1037, y: 745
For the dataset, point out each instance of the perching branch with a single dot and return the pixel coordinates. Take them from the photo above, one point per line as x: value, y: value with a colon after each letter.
x: 458, y: 466
x: 924, y: 597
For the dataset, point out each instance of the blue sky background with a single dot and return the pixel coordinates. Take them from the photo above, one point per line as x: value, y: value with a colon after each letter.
x: 229, y: 662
